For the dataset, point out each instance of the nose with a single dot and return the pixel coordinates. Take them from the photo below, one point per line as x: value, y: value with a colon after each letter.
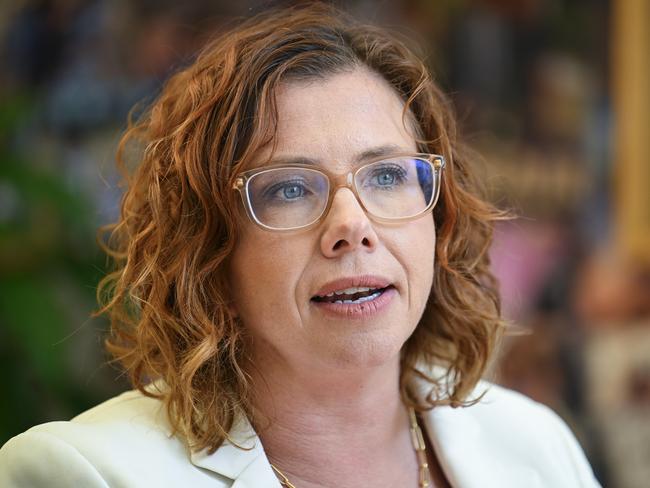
x: 347, y: 228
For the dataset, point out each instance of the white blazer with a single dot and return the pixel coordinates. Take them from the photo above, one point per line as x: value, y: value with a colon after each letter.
x: 506, y: 440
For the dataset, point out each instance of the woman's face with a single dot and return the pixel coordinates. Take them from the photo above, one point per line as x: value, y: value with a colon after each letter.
x: 275, y: 276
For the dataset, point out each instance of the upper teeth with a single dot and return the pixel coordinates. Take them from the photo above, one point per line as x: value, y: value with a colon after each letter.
x: 349, y: 291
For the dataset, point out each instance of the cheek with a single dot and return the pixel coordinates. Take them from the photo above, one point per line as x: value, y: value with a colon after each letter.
x: 418, y: 247
x: 264, y: 273
x: 427, y: 252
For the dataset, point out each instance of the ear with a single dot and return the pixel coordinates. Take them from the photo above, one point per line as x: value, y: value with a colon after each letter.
x: 230, y: 305
x: 233, y: 309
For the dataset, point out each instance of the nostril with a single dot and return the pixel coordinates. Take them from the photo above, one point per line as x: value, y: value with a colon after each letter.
x: 339, y: 244
x: 342, y: 243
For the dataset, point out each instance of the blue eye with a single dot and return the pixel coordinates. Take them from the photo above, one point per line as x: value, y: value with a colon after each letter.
x: 286, y: 191
x: 386, y: 179
x: 291, y: 192
x: 387, y: 176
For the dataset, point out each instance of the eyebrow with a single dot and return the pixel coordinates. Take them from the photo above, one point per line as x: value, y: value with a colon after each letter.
x: 372, y: 153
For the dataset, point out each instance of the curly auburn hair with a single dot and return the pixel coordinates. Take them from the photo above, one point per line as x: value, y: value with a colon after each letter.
x: 168, y: 299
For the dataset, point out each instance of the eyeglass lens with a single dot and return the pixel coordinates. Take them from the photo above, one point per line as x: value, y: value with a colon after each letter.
x: 294, y: 197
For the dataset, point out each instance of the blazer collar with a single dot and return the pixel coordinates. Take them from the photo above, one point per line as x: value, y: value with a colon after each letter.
x: 455, y: 437
x: 248, y: 467
x: 469, y: 454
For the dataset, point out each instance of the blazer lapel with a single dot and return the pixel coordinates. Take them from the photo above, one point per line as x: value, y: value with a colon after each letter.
x: 247, y: 467
x: 257, y: 474
x: 469, y: 456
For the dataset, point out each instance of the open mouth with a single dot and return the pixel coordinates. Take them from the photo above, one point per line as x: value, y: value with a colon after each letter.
x: 352, y: 295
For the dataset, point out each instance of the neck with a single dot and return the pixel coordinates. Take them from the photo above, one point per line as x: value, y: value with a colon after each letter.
x: 329, y: 427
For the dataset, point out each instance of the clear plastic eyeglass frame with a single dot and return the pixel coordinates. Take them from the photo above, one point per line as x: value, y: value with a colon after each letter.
x: 347, y: 180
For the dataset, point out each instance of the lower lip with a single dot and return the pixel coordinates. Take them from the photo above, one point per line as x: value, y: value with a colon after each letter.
x: 357, y: 311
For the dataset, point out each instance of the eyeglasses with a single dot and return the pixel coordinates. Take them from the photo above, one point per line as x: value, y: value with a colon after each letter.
x: 297, y: 196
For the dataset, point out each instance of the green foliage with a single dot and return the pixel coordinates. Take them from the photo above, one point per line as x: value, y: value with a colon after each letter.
x: 49, y: 267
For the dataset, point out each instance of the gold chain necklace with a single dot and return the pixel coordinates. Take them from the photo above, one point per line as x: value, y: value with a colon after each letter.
x: 418, y: 444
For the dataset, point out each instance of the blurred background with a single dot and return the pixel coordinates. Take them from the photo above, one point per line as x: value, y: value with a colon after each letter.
x: 555, y: 95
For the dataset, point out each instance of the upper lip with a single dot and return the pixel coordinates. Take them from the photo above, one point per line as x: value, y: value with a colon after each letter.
x: 368, y: 281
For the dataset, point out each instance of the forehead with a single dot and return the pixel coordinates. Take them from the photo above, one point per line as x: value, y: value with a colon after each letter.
x: 334, y: 120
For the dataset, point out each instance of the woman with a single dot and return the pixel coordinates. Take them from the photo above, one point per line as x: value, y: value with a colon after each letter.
x: 302, y: 271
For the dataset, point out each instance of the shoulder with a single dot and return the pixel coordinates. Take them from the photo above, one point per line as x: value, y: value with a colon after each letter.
x: 40, y: 459
x: 526, y: 426
x: 116, y: 443
x: 499, y: 407
x: 533, y: 419
x: 131, y: 417
x: 521, y: 440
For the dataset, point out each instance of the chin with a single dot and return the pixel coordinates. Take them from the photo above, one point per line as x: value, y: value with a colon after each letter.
x: 367, y: 351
